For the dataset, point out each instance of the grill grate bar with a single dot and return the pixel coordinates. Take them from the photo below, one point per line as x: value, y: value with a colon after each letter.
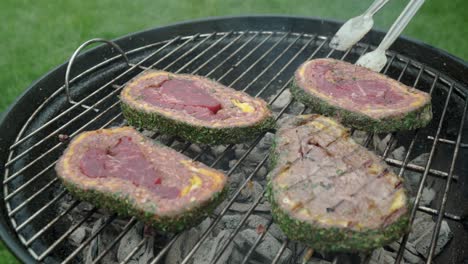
x: 285, y: 66
x: 65, y: 235
x: 282, y: 89
x: 117, y: 102
x: 400, y: 173
x: 14, y: 211
x: 435, y: 234
x: 51, y: 223
x: 93, y: 93
x: 256, y: 243
x: 392, y: 135
x: 27, y: 183
x: 272, y: 63
x: 234, y: 53
x: 418, y: 168
x: 225, y: 209
x: 189, y: 51
x: 259, y: 45
x: 239, y: 226
x: 125, y: 230
x: 56, y: 146
x: 30, y: 198
x: 280, y: 251
x: 43, y: 188
x: 254, y: 205
x: 97, y: 103
x: 436, y: 212
x: 236, y: 194
x: 424, y: 176
x: 22, y: 154
x: 222, y: 50
x: 261, y: 58
x: 42, y: 209
x: 448, y: 141
x: 13, y: 176
x: 91, y: 238
x: 164, y: 250
x: 134, y: 251
x: 240, y: 160
x: 204, y: 51
x: 247, y: 56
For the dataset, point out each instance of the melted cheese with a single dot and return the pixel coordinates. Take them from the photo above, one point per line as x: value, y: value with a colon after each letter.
x: 195, y: 183
x: 244, y: 107
x: 399, y: 201
x: 374, y: 169
x: 216, y: 176
x: 332, y: 222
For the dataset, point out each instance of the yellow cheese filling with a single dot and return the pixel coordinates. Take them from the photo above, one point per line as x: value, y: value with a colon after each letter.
x: 244, y: 107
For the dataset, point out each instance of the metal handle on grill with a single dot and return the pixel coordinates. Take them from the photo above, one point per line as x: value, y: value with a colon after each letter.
x: 75, y: 54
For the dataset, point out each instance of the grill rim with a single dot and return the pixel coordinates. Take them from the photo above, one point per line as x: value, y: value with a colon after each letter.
x: 15, y: 115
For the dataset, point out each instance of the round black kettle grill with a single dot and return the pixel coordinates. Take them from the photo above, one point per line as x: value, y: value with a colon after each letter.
x: 256, y: 54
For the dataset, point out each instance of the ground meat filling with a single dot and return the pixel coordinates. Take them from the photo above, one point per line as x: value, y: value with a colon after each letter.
x: 183, y: 95
x: 324, y: 176
x: 126, y: 161
x: 355, y: 83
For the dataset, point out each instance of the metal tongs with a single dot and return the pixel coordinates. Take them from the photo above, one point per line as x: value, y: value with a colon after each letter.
x: 355, y: 28
x: 376, y: 60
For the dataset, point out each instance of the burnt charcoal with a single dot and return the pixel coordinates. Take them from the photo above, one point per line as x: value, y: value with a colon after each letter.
x: 399, y: 153
x: 78, y: 236
x: 421, y: 234
x: 130, y: 241
x: 185, y: 242
x: 380, y: 143
x: 210, y: 249
x: 360, y: 136
x: 148, y: 253
x: 101, y: 242
x: 281, y: 101
x: 410, y: 254
x: 251, y: 192
x: 412, y: 178
x: 382, y: 256
x: 427, y: 196
x: 244, y: 207
x: 265, y: 251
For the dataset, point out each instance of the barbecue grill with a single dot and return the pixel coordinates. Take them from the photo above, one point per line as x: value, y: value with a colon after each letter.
x: 256, y: 54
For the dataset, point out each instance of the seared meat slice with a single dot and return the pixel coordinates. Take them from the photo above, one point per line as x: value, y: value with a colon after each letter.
x: 194, y: 108
x: 330, y: 192
x: 123, y: 171
x: 359, y: 97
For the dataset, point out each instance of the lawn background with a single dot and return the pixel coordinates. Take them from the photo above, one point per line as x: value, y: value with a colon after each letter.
x: 38, y: 35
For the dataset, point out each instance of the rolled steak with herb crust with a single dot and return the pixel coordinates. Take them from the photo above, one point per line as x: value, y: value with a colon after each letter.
x: 359, y: 97
x: 123, y: 171
x: 332, y: 193
x: 194, y: 108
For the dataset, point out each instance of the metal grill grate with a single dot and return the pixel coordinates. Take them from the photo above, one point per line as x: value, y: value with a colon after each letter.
x: 259, y: 63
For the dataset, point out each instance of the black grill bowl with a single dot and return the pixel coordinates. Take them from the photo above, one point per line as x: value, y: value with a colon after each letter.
x: 257, y: 54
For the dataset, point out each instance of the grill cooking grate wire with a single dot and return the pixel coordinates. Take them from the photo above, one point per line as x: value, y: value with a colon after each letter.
x: 259, y: 63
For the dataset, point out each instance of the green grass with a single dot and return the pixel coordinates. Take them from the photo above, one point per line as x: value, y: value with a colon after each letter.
x: 38, y: 35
